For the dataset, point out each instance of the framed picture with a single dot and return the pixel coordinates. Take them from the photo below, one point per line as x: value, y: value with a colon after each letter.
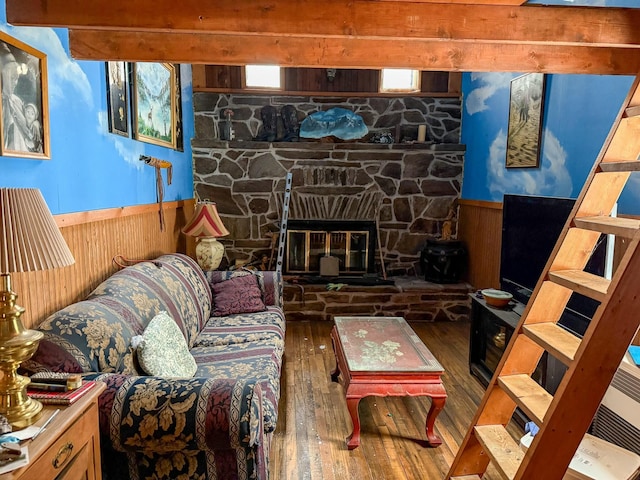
x: 118, y: 97
x: 526, y: 105
x: 154, y: 97
x: 179, y: 135
x: 24, y: 127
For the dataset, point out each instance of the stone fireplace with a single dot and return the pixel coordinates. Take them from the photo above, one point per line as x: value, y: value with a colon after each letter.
x: 407, y: 192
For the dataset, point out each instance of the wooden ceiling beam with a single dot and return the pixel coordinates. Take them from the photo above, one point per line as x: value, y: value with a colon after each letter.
x: 298, y: 51
x: 359, y: 18
x: 476, y: 2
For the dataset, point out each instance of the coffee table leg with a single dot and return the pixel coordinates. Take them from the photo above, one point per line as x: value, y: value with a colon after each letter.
x: 336, y: 373
x: 353, y: 440
x: 437, y: 404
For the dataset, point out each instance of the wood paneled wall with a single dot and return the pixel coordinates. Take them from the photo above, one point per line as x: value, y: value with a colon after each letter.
x: 94, y: 239
x: 224, y: 78
x: 480, y: 228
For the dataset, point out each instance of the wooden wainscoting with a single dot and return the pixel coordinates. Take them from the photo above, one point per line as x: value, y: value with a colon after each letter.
x: 480, y: 228
x: 94, y: 238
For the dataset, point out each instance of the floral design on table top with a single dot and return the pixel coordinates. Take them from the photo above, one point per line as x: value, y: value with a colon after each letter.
x: 386, y: 352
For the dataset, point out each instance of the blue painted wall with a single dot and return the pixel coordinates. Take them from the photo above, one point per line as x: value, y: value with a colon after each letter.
x: 578, y: 114
x: 91, y: 168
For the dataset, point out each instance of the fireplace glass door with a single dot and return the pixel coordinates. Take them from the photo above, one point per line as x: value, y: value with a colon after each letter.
x: 306, y: 247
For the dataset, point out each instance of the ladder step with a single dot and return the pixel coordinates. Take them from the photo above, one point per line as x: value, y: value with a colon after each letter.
x: 501, y: 447
x: 632, y: 111
x: 622, y: 227
x: 530, y: 397
x: 554, y: 339
x: 582, y: 282
x: 632, y: 166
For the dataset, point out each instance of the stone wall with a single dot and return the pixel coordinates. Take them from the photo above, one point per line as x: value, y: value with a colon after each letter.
x: 410, y: 189
x: 415, y: 300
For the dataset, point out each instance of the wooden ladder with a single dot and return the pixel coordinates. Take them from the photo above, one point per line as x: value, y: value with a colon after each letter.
x: 592, y: 361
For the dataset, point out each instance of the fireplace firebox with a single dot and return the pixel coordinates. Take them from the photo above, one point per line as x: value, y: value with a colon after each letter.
x: 352, y: 242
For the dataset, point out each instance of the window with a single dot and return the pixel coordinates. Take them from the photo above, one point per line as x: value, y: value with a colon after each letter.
x: 263, y: 76
x: 399, y: 80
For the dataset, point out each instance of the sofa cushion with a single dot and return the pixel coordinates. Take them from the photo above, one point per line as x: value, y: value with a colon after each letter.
x: 237, y: 295
x: 270, y: 282
x: 163, y: 351
x: 243, y: 328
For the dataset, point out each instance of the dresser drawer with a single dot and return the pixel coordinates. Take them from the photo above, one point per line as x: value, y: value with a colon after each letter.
x: 67, y: 449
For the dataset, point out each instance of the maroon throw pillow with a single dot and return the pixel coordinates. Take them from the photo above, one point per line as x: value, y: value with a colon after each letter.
x: 237, y: 295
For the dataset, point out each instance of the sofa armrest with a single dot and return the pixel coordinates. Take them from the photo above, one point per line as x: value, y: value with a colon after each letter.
x: 155, y: 414
x: 271, y: 286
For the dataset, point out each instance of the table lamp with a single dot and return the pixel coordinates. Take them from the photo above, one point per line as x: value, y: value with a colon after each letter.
x: 29, y: 240
x: 206, y: 226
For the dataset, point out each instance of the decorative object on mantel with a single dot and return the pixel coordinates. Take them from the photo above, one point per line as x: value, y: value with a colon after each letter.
x: 269, y: 129
x: 226, y: 129
x: 337, y: 122
x: 159, y: 164
x: 29, y: 241
x: 422, y: 133
x: 206, y: 226
x: 290, y: 121
x: 382, y: 137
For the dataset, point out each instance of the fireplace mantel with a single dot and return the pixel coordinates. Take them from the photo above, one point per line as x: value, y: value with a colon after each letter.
x: 302, y: 145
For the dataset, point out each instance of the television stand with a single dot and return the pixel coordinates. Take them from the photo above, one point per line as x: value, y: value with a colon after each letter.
x: 490, y: 333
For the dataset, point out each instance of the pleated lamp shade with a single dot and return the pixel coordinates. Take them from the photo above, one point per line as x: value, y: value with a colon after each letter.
x: 29, y: 237
x: 29, y: 241
x: 205, y: 222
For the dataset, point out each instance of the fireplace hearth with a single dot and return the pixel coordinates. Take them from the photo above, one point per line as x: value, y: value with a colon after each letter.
x: 352, y: 243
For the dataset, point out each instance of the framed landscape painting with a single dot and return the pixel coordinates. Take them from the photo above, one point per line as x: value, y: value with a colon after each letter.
x: 118, y: 97
x: 154, y: 97
x: 24, y: 118
x: 526, y: 105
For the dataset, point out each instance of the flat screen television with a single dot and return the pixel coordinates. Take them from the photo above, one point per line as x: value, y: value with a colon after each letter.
x: 531, y: 226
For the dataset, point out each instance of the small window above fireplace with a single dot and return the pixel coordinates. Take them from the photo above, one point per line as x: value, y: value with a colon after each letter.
x: 352, y: 242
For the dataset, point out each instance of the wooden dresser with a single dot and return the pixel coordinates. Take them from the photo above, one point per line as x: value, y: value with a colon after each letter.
x: 69, y: 448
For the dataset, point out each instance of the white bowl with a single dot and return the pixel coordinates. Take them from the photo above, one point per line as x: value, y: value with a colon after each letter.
x: 496, y: 298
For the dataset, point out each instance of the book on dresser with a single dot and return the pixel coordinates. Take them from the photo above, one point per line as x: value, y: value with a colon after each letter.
x: 61, y: 397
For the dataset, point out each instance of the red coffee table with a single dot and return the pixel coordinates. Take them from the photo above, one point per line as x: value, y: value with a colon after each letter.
x: 383, y: 356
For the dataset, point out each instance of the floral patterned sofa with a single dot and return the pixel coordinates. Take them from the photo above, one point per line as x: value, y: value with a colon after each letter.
x: 217, y: 424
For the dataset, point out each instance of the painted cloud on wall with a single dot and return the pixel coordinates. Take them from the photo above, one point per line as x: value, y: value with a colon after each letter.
x: 128, y: 150
x: 551, y: 179
x: 490, y: 84
x: 62, y: 70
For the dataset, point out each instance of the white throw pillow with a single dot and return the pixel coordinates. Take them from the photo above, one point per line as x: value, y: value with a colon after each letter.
x: 162, y: 351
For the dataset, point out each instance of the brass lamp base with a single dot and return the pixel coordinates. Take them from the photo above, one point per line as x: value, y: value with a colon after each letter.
x: 17, y: 344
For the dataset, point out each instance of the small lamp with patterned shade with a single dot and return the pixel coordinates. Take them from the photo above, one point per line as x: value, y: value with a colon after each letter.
x: 206, y: 226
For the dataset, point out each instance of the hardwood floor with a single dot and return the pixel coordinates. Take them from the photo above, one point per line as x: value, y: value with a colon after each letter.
x: 309, y: 443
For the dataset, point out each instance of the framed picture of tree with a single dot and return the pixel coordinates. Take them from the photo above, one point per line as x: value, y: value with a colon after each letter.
x: 24, y: 116
x: 526, y: 106
x: 154, y: 97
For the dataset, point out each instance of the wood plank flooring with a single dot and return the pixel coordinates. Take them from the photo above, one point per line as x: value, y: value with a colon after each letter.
x: 309, y: 442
